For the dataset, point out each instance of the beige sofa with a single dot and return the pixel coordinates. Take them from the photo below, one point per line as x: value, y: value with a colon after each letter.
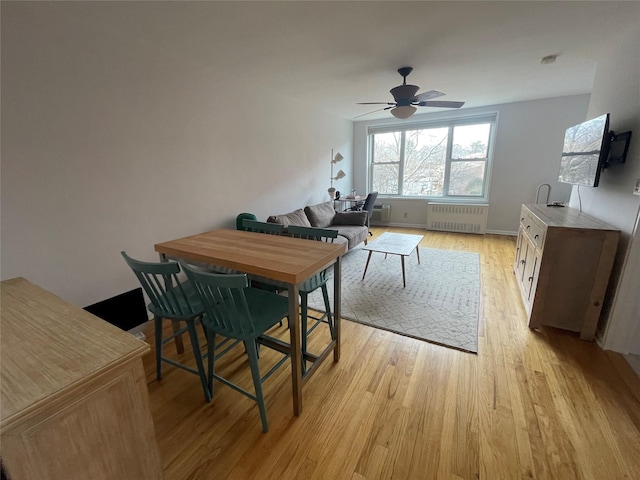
x: 351, y: 226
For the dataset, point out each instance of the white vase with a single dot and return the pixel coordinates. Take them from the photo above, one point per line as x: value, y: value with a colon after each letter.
x: 332, y: 192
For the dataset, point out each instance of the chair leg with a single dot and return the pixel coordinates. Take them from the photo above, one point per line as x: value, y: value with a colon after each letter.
x: 211, y: 357
x: 197, y: 353
x: 327, y: 306
x: 304, y: 314
x: 250, y: 346
x: 157, y: 325
x: 175, y: 325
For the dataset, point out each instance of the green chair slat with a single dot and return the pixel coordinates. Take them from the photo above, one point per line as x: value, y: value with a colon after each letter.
x: 262, y: 227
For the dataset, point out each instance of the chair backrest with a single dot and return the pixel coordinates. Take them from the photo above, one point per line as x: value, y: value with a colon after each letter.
x: 313, y: 233
x: 169, y: 297
x: 262, y: 227
x: 224, y: 301
x: 369, y: 202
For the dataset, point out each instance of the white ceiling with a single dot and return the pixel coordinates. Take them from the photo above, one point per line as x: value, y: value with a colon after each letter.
x: 331, y: 55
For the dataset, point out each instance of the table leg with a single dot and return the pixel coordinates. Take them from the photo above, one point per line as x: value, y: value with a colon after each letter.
x: 367, y: 265
x: 337, y: 306
x: 418, y: 253
x: 404, y: 281
x: 295, y: 341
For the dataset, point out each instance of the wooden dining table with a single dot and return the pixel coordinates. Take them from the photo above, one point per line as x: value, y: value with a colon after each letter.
x: 273, y: 257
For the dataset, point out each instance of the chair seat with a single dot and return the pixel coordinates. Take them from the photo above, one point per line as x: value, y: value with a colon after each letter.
x: 266, y: 309
x: 192, y: 300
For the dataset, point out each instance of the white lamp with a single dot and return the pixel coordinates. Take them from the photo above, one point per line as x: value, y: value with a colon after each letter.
x: 335, y: 159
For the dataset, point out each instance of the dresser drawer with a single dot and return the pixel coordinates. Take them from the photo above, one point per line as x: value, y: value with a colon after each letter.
x: 532, y: 227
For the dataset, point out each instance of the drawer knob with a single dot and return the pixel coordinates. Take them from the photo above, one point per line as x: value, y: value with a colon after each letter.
x: 523, y: 262
x: 528, y: 227
x: 596, y: 303
x: 536, y: 237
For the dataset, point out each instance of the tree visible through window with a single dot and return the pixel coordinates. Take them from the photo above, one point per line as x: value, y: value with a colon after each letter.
x: 445, y: 160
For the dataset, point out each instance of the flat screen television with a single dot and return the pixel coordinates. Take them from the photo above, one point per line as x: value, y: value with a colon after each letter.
x: 585, y: 151
x: 589, y: 148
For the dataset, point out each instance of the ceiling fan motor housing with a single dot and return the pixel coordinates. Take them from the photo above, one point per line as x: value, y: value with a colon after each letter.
x: 404, y: 94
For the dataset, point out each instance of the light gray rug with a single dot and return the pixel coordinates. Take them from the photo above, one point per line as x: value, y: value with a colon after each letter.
x: 441, y: 303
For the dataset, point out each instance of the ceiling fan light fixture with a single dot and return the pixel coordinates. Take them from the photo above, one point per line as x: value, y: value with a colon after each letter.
x: 403, y: 112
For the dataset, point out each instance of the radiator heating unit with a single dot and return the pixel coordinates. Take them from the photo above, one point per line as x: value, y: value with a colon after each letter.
x: 381, y: 213
x: 464, y: 218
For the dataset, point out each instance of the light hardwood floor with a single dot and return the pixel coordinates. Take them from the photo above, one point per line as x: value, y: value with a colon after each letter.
x: 530, y: 404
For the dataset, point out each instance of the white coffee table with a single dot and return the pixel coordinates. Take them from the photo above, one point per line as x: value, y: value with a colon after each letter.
x: 395, y: 244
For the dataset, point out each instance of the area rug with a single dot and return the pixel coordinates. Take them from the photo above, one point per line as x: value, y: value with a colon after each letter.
x: 441, y: 303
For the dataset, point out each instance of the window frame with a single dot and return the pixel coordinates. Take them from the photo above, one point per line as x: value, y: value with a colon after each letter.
x: 450, y: 124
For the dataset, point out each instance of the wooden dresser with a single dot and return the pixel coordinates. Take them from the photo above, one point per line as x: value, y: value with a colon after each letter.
x: 73, y: 392
x: 562, y: 266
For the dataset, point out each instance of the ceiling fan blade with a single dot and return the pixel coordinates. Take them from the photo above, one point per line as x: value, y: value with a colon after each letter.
x: 375, y: 103
x: 421, y: 97
x: 440, y: 104
x: 378, y: 110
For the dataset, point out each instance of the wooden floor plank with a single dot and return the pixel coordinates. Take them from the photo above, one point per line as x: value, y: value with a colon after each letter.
x: 530, y: 405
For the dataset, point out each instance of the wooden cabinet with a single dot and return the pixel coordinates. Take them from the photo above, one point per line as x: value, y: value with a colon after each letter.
x: 74, y: 396
x: 562, y: 266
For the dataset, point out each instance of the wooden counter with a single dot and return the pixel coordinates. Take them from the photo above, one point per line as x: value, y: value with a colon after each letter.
x: 74, y: 402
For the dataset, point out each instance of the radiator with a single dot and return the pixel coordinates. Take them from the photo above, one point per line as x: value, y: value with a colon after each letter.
x: 381, y: 213
x: 464, y: 218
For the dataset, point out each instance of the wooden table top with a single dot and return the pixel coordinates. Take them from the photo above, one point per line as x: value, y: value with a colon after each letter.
x: 287, y: 259
x: 48, y: 345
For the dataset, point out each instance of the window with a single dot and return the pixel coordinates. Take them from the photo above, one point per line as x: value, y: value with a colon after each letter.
x: 443, y: 160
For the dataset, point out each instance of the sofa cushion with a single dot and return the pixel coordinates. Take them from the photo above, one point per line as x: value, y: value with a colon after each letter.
x: 350, y: 218
x: 355, y: 234
x: 320, y: 215
x: 297, y: 217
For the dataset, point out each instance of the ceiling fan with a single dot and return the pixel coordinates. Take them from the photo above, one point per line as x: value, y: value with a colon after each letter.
x: 406, y: 99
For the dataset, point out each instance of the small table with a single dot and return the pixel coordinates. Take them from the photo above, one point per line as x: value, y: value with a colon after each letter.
x: 285, y: 259
x: 345, y: 203
x: 395, y: 244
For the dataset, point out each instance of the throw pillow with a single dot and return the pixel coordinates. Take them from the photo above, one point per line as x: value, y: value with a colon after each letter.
x: 320, y: 215
x: 350, y: 218
x: 297, y: 217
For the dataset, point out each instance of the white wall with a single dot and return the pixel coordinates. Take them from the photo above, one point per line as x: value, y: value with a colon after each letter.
x: 616, y: 90
x: 527, y: 154
x: 110, y: 144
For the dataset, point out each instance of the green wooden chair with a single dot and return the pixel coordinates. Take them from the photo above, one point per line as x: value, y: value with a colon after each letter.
x: 235, y: 310
x: 271, y: 229
x: 262, y: 227
x: 176, y: 301
x: 319, y: 280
